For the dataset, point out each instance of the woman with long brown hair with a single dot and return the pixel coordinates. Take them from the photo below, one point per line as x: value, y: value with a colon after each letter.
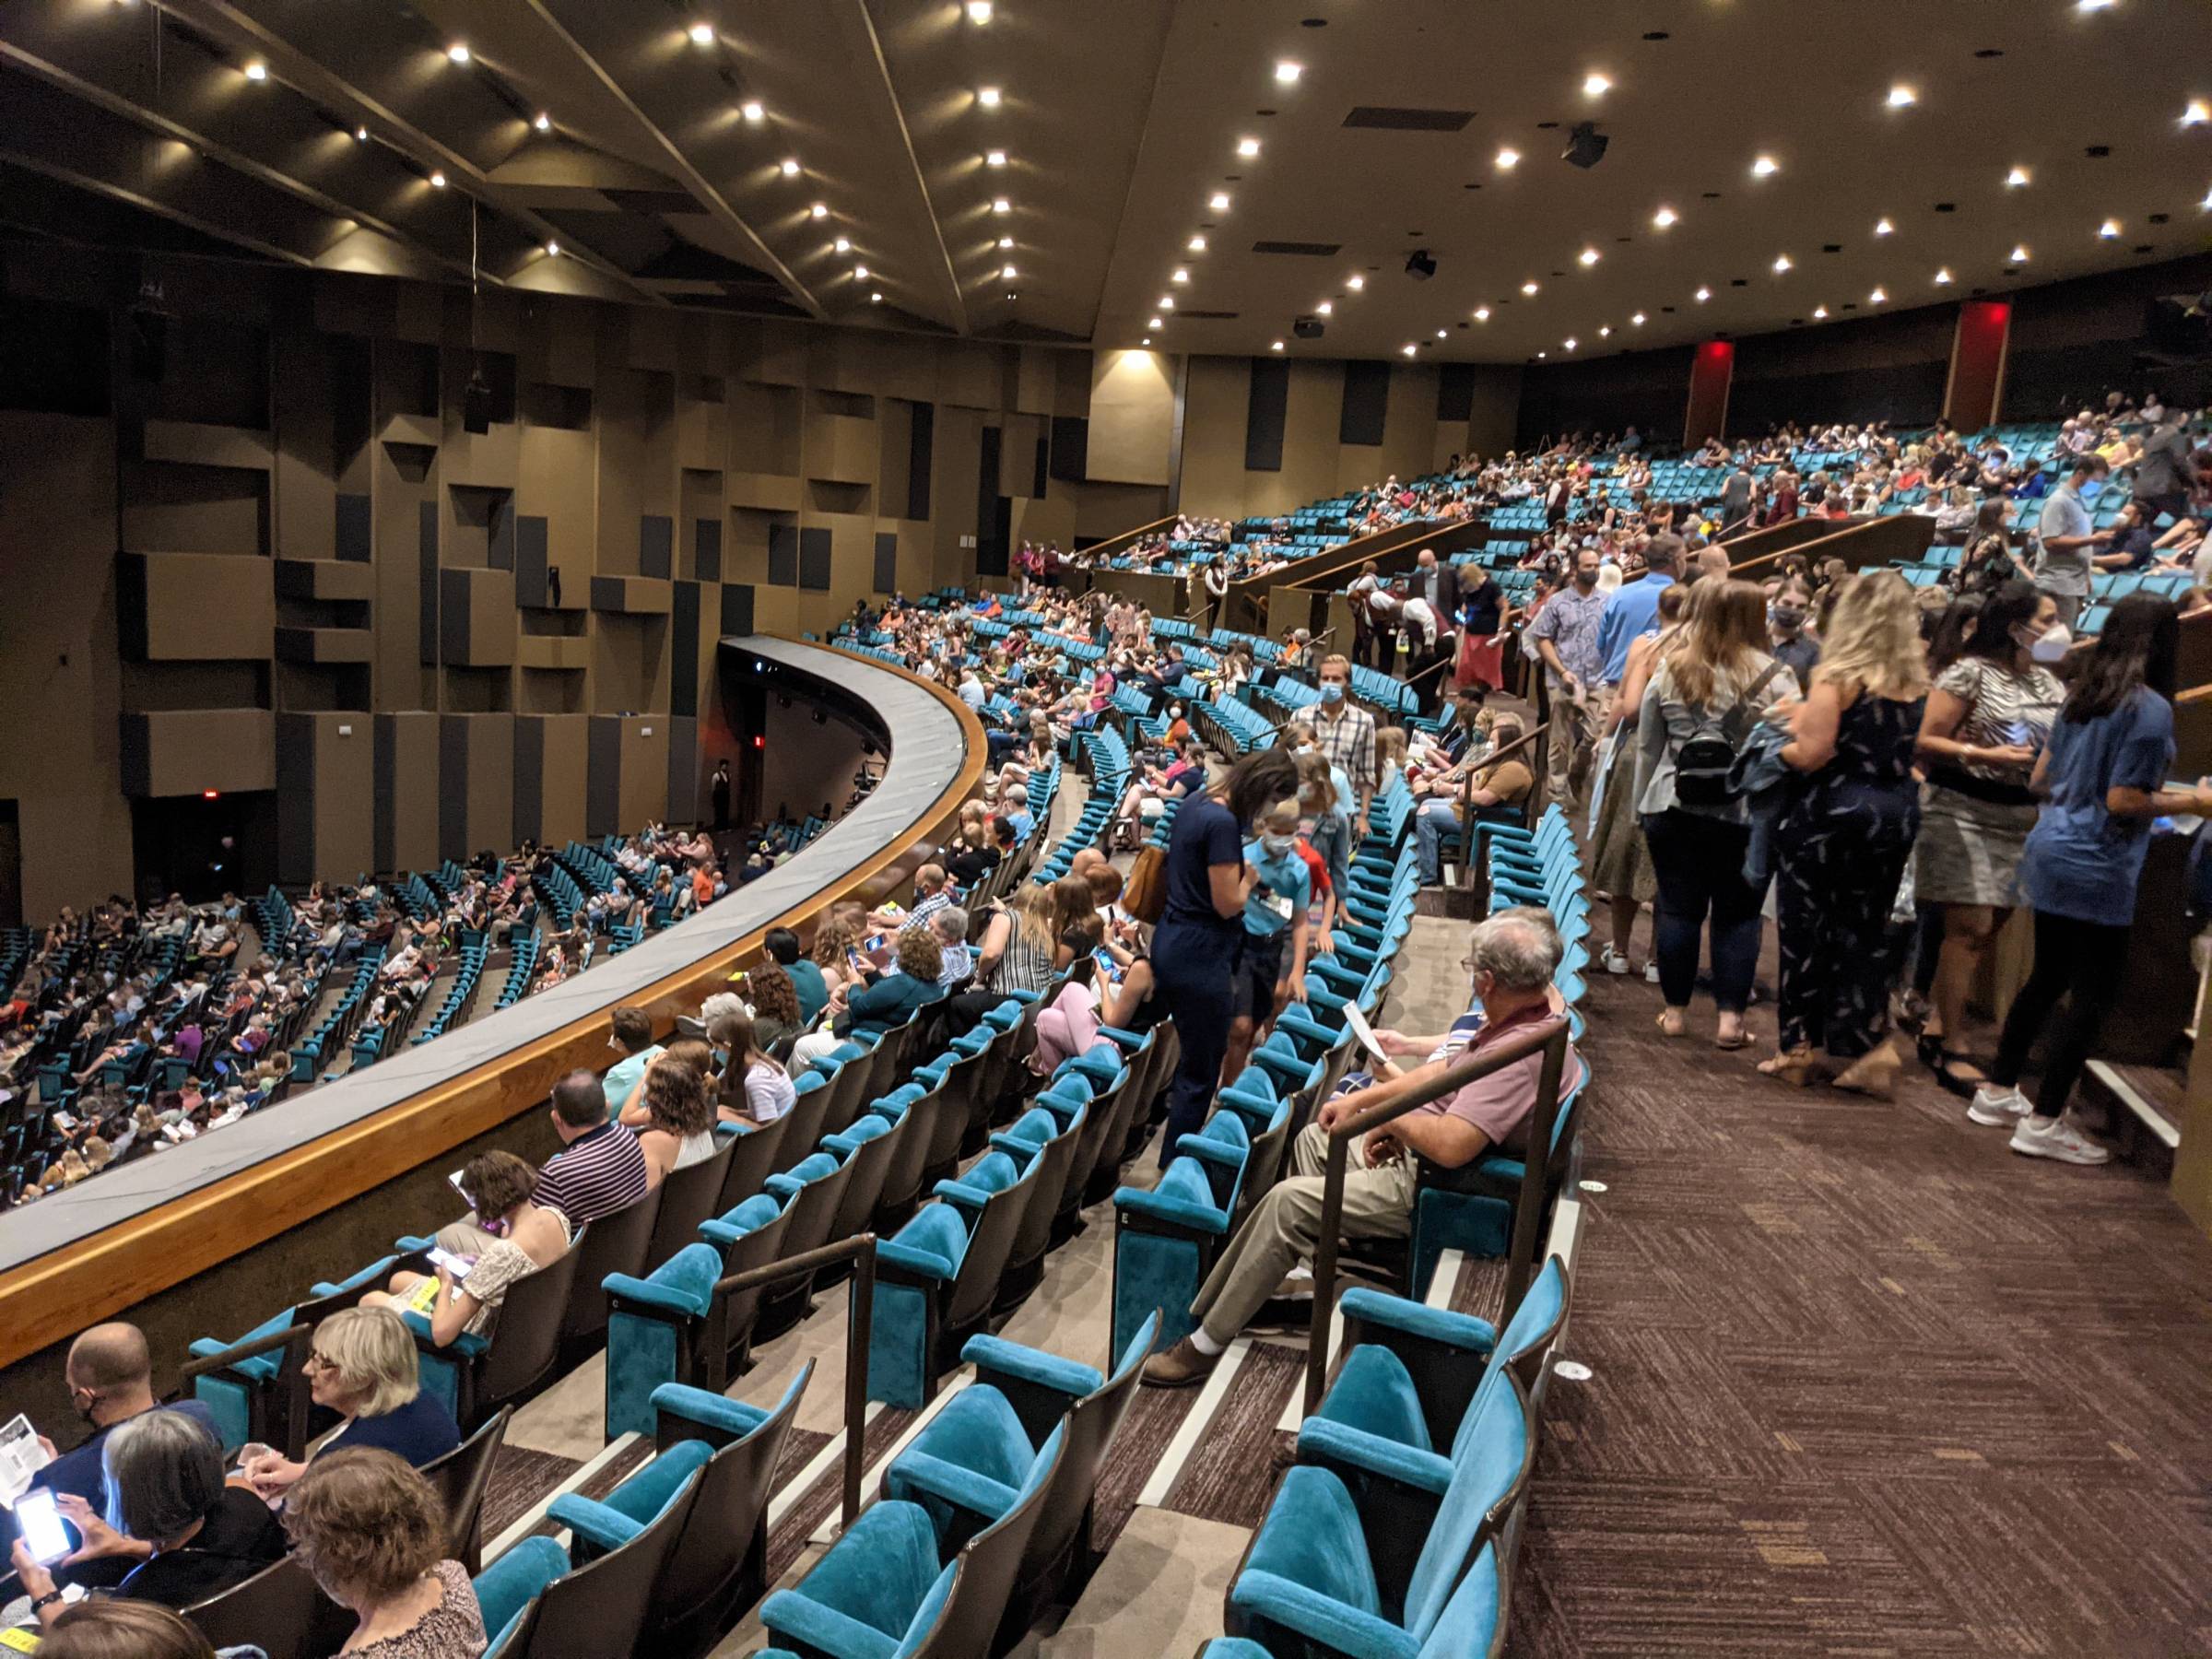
x: 1842, y: 844
x: 1704, y: 697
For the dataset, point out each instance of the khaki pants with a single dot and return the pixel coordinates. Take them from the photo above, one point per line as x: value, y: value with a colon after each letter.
x: 1285, y: 1229
x: 1572, y: 741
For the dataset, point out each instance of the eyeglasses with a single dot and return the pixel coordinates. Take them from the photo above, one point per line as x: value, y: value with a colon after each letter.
x: 320, y: 1361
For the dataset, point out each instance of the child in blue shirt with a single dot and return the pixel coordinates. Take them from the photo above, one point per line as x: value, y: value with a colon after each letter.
x: 1275, y: 917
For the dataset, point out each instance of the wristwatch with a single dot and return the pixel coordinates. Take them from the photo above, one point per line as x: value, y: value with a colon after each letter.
x: 45, y: 1601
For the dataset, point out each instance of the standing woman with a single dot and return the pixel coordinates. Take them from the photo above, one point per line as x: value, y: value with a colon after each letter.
x: 1484, y: 616
x: 1194, y: 949
x: 1987, y: 716
x: 1620, y: 866
x: 2103, y: 776
x: 1842, y: 844
x: 1709, y: 690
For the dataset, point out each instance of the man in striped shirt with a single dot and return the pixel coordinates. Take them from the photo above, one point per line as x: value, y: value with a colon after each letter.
x: 600, y: 1168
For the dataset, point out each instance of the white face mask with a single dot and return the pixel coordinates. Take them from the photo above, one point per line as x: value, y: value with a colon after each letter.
x: 2051, y: 645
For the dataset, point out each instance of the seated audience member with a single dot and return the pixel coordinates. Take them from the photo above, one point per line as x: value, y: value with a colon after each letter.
x: 633, y: 1035
x: 101, y: 1629
x: 679, y: 1112
x: 933, y: 892
x: 1515, y: 955
x: 172, y: 1528
x: 372, y: 1533
x: 782, y: 947
x: 525, y: 1235
x: 599, y: 1169
x: 1498, y: 790
x: 775, y: 1001
x: 755, y: 1087
x: 874, y: 1010
x: 364, y: 1367
x: 110, y: 1374
x: 950, y: 926
x: 836, y: 957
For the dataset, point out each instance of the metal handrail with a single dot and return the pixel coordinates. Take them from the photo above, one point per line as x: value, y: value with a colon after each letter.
x: 243, y: 1351
x: 1468, y: 862
x: 861, y: 1250
x: 1549, y: 1038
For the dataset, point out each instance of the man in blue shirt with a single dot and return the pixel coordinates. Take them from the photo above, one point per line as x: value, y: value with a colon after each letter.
x: 1634, y: 607
x: 110, y: 1375
x: 1274, y: 913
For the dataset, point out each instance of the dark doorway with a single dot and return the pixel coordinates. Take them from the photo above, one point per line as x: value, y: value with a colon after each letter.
x: 204, y: 846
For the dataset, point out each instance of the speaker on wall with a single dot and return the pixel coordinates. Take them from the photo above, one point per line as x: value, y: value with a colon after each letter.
x: 1309, y: 327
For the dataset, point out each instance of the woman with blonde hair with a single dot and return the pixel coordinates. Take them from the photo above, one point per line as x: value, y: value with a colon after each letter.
x: 1018, y: 949
x: 1707, y: 692
x: 363, y: 1364
x: 1842, y: 844
x: 836, y: 949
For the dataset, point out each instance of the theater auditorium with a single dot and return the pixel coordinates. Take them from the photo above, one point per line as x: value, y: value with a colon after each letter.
x: 1169, y: 830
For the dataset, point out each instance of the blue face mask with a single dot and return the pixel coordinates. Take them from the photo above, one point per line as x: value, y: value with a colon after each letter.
x: 1331, y: 691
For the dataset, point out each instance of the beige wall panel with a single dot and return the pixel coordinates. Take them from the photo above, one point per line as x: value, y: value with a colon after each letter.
x: 1036, y: 380
x: 419, y: 312
x: 407, y: 792
x: 765, y: 426
x: 775, y: 610
x: 61, y: 681
x: 1107, y: 510
x: 1050, y: 519
x: 205, y: 606
x: 556, y: 480
x: 173, y: 508
x: 352, y: 305
x: 644, y: 770
x: 345, y: 824
x: 841, y: 447
x: 566, y: 766
x: 188, y: 750
x: 1071, y: 383
x: 557, y: 343
x: 894, y: 456
x: 485, y: 786
x: 305, y: 395
x: 1495, y: 412
x: 1132, y: 416
x: 702, y: 433
x: 903, y: 366
x: 956, y: 451
x: 1313, y: 416
x: 776, y: 354
x: 1409, y: 422
x: 629, y: 662
x: 1018, y: 438
x: 1217, y: 398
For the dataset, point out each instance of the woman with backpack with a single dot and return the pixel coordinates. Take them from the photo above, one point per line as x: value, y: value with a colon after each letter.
x: 1704, y: 697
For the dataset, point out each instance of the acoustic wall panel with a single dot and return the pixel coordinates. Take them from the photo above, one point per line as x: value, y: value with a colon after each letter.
x: 683, y: 649
x: 921, y: 449
x: 782, y: 555
x: 353, y: 540
x: 656, y: 545
x: 736, y: 608
x: 706, y: 550
x: 886, y: 561
x: 1264, y: 408
x: 427, y: 550
x: 814, y: 559
x: 530, y: 560
x: 1365, y: 402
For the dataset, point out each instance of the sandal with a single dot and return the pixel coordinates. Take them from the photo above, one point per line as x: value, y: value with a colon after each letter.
x: 1668, y: 1030
x: 1873, y: 1073
x: 1798, y: 1067
x: 1940, y: 1061
x: 1729, y: 1044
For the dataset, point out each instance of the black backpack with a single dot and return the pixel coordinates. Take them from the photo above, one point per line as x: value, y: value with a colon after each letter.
x: 1702, y: 766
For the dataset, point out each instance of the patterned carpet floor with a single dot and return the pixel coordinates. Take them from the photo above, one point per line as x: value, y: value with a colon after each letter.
x: 1865, y: 1382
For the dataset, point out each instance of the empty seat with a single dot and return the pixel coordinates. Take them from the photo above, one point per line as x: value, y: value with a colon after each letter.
x: 935, y: 1280
x: 663, y: 1329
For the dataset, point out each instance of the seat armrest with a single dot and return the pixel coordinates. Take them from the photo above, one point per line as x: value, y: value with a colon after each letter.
x: 1170, y: 1212
x: 1380, y: 1309
x: 1344, y: 1450
x: 1336, y: 1626
x: 914, y: 1471
x: 907, y: 1261
x: 644, y: 1296
x: 601, y: 1525
x: 997, y: 1360
x: 1212, y: 1151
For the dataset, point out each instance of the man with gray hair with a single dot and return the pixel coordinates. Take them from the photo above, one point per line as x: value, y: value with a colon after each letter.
x: 950, y: 926
x: 1512, y: 958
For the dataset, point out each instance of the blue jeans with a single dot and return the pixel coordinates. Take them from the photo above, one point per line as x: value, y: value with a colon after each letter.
x: 1332, y: 838
x: 1435, y: 820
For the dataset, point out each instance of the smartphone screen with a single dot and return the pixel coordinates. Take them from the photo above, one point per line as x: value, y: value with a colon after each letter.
x: 43, y: 1534
x: 458, y: 1266
x: 454, y: 1181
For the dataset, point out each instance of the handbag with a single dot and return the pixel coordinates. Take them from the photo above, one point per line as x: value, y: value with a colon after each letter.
x: 1144, y: 894
x: 1703, y: 764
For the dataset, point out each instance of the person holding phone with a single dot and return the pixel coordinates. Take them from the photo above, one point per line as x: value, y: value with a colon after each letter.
x: 363, y: 1364
x: 500, y: 1187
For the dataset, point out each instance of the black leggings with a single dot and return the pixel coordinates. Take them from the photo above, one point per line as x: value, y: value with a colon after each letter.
x: 2081, y: 961
x: 1698, y: 863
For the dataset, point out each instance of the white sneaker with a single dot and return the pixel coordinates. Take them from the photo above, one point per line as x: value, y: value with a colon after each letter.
x: 1997, y: 1108
x: 1651, y: 973
x: 2058, y: 1139
x: 1615, y: 962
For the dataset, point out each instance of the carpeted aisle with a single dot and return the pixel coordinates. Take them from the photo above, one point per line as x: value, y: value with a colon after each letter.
x: 1865, y: 1382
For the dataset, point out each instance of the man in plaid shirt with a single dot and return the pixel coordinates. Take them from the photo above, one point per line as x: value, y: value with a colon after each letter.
x: 1345, y: 734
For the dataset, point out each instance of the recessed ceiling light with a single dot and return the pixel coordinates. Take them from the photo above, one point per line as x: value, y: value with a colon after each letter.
x: 1568, y: 342
x: 2091, y: 5
x: 1355, y: 283
x: 702, y: 34
x: 2110, y: 229
x: 978, y: 11
x: 1277, y: 347
x: 458, y: 51
x: 2197, y: 112
x: 752, y: 110
x: 1529, y: 287
x: 1441, y: 335
x: 257, y: 71
x: 552, y: 250
x: 360, y: 134
x: 543, y: 122
x: 1248, y: 146
x: 1407, y: 349
x: 1197, y: 244
x: 1000, y: 204
x: 1902, y: 95
x: 1605, y: 331
x: 1147, y: 339
x: 1155, y: 324
x: 819, y: 210
x: 1588, y: 256
x: 791, y: 167
x: 1508, y: 158
x: 1287, y: 72
x: 860, y: 273
x: 1596, y: 85
x: 2020, y: 254
x: 1763, y: 166
x: 1009, y: 272
x: 1782, y: 264
x: 1883, y: 227
x: 1325, y: 308
x: 875, y: 298
x: 1218, y: 201
x: 1482, y: 313
x: 438, y: 181
x: 987, y: 96
x: 1636, y: 321
x: 1005, y: 242
x: 2016, y: 178
x: 843, y: 244
x: 1664, y: 216
x: 1178, y: 275
x: 1819, y: 313
x: 2205, y: 206
x: 1943, y: 277
x: 995, y: 157
x: 1165, y: 302
x: 1703, y: 294
x: 1876, y: 298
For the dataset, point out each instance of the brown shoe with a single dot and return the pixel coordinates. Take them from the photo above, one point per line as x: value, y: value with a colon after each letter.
x: 1180, y: 1367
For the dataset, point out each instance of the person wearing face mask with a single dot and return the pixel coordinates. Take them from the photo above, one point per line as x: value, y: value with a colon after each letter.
x: 1565, y: 634
x: 110, y: 1374
x: 1272, y: 965
x: 1345, y: 734
x: 2103, y: 779
x: 2068, y: 561
x: 1786, y: 615
x: 1988, y: 715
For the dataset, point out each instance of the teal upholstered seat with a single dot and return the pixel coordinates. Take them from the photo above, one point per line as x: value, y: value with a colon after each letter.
x: 936, y: 1278
x: 1166, y: 1236
x: 655, y: 1333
